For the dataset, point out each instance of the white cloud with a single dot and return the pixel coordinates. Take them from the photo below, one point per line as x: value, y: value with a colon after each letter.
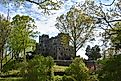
x: 44, y: 28
x: 81, y: 52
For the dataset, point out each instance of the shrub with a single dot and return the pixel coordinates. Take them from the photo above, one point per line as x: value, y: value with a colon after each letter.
x: 93, y: 77
x: 58, y: 78
x: 9, y: 66
x: 64, y: 78
x: 38, y: 69
x: 78, y: 70
x: 68, y: 78
x: 111, y: 69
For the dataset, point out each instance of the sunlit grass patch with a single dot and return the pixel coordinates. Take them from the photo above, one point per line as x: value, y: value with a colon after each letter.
x: 57, y: 68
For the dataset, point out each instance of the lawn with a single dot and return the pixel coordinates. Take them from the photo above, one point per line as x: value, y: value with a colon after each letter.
x: 11, y: 79
x: 57, y: 68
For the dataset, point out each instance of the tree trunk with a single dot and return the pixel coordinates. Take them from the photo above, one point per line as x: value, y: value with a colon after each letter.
x: 5, y: 56
x: 94, y: 65
x: 1, y: 57
x: 74, y: 49
x: 104, y: 54
x: 75, y: 39
x: 24, y: 55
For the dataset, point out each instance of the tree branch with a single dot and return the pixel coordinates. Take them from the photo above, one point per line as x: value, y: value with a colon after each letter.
x: 37, y: 3
x: 86, y: 37
x: 115, y: 20
x: 43, y: 6
x: 107, y: 4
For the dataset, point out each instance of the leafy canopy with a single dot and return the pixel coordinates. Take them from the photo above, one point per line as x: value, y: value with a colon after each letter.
x: 108, y: 71
x: 77, y: 24
x: 78, y: 70
x: 22, y: 33
x: 38, y: 69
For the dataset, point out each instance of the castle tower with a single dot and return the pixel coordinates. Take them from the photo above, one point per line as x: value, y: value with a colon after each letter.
x: 43, y: 44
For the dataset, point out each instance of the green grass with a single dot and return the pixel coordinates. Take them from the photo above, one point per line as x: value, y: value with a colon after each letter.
x: 59, y: 68
x: 11, y: 79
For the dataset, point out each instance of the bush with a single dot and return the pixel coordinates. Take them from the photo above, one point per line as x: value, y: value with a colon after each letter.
x: 63, y: 78
x: 9, y: 66
x: 111, y: 69
x: 78, y: 70
x: 68, y: 78
x: 38, y: 69
x: 58, y: 78
x: 93, y: 77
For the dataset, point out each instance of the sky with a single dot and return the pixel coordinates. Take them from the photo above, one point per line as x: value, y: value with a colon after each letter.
x: 45, y: 23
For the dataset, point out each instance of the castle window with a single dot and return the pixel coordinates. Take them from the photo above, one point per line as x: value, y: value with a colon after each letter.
x: 41, y: 41
x: 43, y: 49
x: 59, y: 48
x: 54, y: 48
x: 61, y: 53
x: 45, y: 45
x: 54, y: 43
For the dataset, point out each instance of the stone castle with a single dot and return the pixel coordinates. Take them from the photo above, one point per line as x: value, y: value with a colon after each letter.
x: 58, y: 47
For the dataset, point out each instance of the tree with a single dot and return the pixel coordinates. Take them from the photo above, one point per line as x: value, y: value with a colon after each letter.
x: 38, y: 69
x: 105, y: 15
x: 93, y: 53
x: 112, y: 12
x: 21, y: 34
x: 110, y: 70
x: 116, y: 34
x: 88, y: 51
x: 115, y: 37
x: 96, y: 52
x: 78, y: 71
x: 4, y: 33
x: 77, y: 24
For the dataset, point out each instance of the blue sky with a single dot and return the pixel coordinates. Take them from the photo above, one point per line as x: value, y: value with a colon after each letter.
x: 45, y: 23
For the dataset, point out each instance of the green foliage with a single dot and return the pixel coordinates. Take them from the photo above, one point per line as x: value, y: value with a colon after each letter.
x: 57, y: 68
x: 4, y: 32
x: 65, y: 39
x: 93, y: 77
x: 64, y: 78
x: 42, y: 4
x: 4, y: 29
x: 116, y: 37
x: 58, y: 78
x: 39, y: 68
x: 78, y: 70
x: 21, y: 33
x: 110, y: 70
x: 68, y: 78
x: 9, y: 66
x: 77, y: 24
x: 93, y: 53
x: 10, y: 79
